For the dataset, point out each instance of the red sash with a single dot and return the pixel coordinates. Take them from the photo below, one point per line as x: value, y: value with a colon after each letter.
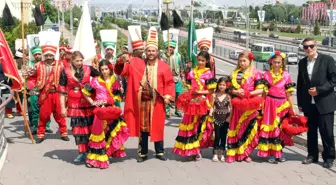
x: 52, y: 80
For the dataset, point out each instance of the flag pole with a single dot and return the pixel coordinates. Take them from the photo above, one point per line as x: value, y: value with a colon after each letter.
x: 191, y: 22
x: 25, y: 121
x: 168, y: 40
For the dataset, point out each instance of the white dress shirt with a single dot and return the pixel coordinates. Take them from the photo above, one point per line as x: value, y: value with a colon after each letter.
x: 310, y: 67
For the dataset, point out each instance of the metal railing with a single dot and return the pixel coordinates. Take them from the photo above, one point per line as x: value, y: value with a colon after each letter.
x: 5, y: 99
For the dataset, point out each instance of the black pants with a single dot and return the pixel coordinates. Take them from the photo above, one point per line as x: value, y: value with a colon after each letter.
x: 220, y: 136
x: 124, y: 85
x: 325, y: 124
x: 143, y: 145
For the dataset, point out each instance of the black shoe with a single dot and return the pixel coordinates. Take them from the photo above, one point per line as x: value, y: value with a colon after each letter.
x: 48, y: 130
x: 39, y: 140
x: 309, y: 160
x: 34, y: 132
x: 178, y: 114
x: 161, y: 157
x: 327, y: 165
x: 65, y: 138
x: 141, y: 159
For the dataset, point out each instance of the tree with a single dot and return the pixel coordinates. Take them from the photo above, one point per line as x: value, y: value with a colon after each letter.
x: 298, y: 29
x: 15, y: 33
x: 273, y: 26
x: 269, y: 14
x: 296, y: 12
x: 253, y: 12
x: 279, y: 13
x: 50, y: 9
x: 317, y: 30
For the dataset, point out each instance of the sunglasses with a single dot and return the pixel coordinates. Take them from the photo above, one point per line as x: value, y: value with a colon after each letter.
x: 309, y: 46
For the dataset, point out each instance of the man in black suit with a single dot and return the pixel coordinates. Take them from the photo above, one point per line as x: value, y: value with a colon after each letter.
x: 317, y: 100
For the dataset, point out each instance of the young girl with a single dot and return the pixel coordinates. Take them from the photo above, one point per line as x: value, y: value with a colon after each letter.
x: 279, y: 88
x: 220, y: 110
x: 109, y: 131
x: 242, y: 134
x: 195, y: 130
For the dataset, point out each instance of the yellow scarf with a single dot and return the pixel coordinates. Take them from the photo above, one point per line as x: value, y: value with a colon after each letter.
x: 278, y: 77
x: 234, y: 78
x: 198, y: 72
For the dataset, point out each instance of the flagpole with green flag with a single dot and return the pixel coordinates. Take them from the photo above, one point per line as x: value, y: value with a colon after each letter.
x: 192, y: 41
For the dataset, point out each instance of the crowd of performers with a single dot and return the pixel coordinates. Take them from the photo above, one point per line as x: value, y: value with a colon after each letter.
x: 234, y: 114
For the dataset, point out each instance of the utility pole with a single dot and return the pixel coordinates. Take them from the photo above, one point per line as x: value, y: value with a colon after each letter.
x: 247, y: 25
x: 58, y: 18
x: 331, y: 20
x: 63, y: 9
x: 71, y: 21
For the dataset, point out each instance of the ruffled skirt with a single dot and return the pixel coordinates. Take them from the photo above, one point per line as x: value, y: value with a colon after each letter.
x: 272, y: 139
x: 81, y: 120
x: 192, y: 105
x: 195, y: 132
x: 242, y: 135
x: 109, y: 143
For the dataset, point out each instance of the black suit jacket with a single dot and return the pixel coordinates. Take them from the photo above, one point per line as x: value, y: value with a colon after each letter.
x: 323, y: 78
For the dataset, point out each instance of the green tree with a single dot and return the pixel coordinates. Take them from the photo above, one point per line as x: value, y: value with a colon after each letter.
x: 16, y: 33
x: 50, y: 9
x: 253, y: 12
x: 279, y: 13
x: 298, y: 28
x: 269, y: 14
x: 273, y: 26
x: 317, y: 30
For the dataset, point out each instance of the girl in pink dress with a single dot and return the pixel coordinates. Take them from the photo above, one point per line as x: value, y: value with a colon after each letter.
x: 279, y: 88
x: 196, y: 129
x: 109, y: 131
x: 246, y: 103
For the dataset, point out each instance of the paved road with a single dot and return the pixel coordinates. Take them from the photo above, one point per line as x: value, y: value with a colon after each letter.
x: 51, y: 163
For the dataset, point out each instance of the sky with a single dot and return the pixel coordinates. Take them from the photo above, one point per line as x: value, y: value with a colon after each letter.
x: 219, y: 2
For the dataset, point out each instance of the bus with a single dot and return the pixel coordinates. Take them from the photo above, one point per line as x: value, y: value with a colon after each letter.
x: 262, y: 52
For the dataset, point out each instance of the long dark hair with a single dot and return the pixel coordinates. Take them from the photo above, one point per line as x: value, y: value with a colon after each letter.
x: 104, y: 62
x: 79, y: 73
x: 206, y: 55
x: 226, y: 80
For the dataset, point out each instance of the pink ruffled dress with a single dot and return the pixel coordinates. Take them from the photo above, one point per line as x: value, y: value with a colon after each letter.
x: 272, y: 139
x: 107, y: 136
x: 196, y: 129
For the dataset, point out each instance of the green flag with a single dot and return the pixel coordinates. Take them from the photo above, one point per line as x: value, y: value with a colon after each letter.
x: 192, y: 43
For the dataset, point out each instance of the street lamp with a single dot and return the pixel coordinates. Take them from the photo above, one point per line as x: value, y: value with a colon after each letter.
x: 331, y: 20
x: 247, y: 25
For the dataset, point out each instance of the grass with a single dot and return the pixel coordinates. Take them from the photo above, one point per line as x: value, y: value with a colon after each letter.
x: 283, y: 34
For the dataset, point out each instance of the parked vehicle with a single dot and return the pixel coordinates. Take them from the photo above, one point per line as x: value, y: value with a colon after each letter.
x: 273, y: 36
x: 262, y: 52
x: 297, y: 40
x: 240, y: 35
x: 234, y: 54
x: 292, y: 58
x: 301, y: 46
x: 325, y: 41
x: 254, y: 33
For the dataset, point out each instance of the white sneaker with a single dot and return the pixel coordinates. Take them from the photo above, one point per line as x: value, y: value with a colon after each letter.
x: 215, y: 158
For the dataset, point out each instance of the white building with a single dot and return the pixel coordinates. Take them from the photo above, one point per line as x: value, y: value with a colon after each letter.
x: 65, y: 4
x: 14, y: 7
